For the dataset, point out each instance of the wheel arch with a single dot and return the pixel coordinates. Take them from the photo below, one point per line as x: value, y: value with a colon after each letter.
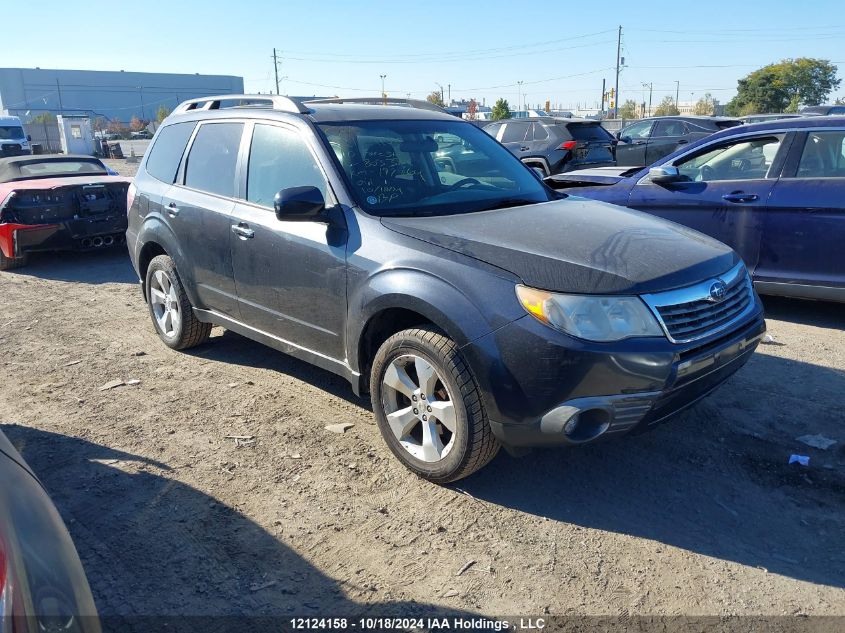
x: 156, y: 238
x: 398, y: 299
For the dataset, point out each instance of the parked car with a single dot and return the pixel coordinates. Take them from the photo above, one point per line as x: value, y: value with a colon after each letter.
x: 13, y: 140
x: 648, y: 140
x: 760, y: 118
x: 823, y: 110
x: 555, y: 145
x: 774, y: 191
x: 42, y: 584
x: 477, y: 308
x: 61, y: 202
x: 140, y: 134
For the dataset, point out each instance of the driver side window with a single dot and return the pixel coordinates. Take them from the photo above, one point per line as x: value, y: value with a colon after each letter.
x: 742, y: 160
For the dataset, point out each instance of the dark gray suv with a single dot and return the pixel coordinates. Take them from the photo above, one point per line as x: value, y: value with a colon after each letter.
x: 475, y: 305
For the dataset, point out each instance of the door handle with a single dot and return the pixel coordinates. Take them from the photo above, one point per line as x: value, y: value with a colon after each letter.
x: 683, y: 141
x: 639, y: 142
x: 243, y: 231
x: 172, y: 210
x: 738, y: 196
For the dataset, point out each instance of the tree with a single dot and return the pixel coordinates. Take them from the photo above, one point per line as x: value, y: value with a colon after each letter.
x: 839, y: 101
x: 786, y: 84
x: 115, y: 126
x: 706, y: 106
x: 436, y: 98
x: 44, y: 117
x: 667, y: 107
x: 162, y: 113
x: 472, y: 110
x: 136, y: 124
x: 629, y: 110
x: 501, y: 110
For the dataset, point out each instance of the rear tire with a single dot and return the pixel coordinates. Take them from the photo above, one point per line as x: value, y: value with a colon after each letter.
x: 421, y: 386
x: 170, y: 309
x: 8, y: 263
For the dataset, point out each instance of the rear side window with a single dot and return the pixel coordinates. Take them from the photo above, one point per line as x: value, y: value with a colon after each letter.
x: 165, y: 155
x: 540, y: 132
x: 588, y: 132
x: 670, y: 128
x: 214, y: 157
x: 515, y: 132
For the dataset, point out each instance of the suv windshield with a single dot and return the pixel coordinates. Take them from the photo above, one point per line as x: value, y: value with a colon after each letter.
x: 11, y: 132
x: 424, y: 167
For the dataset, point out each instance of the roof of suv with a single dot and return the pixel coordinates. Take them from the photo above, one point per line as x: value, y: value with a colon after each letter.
x: 319, y: 111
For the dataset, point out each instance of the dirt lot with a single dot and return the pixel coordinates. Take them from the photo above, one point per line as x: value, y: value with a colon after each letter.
x: 171, y: 516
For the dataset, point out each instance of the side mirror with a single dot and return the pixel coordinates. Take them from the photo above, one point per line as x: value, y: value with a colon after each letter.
x: 29, y: 137
x: 664, y: 174
x: 304, y: 204
x: 624, y: 139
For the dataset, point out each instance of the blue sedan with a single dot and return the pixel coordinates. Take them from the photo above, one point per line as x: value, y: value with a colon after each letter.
x: 773, y: 191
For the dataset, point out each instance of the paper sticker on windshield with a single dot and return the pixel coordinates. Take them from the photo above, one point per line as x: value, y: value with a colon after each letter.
x: 372, y: 200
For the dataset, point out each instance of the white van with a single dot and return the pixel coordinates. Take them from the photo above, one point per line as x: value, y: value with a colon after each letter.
x: 13, y: 140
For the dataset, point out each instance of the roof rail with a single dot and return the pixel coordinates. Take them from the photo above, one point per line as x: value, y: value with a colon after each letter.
x: 394, y: 101
x: 218, y: 102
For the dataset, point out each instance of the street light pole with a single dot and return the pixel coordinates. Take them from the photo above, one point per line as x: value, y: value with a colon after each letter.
x: 677, y: 92
x: 383, y: 93
x: 519, y: 96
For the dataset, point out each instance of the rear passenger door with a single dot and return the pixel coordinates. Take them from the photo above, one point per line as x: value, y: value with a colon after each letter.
x: 804, y: 224
x: 199, y: 208
x: 290, y: 275
x: 514, y: 135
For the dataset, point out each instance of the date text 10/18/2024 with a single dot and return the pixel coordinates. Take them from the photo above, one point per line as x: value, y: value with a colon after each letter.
x: 421, y: 624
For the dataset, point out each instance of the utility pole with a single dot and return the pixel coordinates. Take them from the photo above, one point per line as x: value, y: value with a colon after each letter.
x: 383, y: 93
x: 276, y: 69
x: 519, y: 96
x: 59, y: 88
x: 618, y: 61
x: 141, y: 95
x: 449, y: 86
x: 650, y: 88
x: 677, y: 91
x: 603, y: 84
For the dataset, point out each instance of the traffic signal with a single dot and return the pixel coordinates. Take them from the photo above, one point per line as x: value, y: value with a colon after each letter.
x: 548, y: 106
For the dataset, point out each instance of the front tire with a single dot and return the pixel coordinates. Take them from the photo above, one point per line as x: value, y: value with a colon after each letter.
x: 428, y: 406
x: 170, y: 309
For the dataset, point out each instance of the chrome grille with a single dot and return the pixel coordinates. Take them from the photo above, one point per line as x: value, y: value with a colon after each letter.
x: 692, y: 313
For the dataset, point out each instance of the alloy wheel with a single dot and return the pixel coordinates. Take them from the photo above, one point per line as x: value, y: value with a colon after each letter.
x: 419, y: 408
x: 165, y: 304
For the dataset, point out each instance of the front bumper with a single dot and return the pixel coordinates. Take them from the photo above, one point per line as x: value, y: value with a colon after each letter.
x: 79, y: 234
x: 535, y: 379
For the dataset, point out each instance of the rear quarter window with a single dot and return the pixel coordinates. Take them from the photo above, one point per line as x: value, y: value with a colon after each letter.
x: 167, y: 151
x: 213, y: 158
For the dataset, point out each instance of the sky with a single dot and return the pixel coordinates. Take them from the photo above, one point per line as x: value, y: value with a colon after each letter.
x: 473, y: 49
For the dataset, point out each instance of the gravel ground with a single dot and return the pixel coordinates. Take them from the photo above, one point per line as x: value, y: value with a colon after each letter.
x: 171, y: 515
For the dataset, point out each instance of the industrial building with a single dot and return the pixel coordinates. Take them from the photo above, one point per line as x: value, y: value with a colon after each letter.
x: 28, y: 92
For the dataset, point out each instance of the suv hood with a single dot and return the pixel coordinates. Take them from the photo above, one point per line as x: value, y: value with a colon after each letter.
x: 578, y: 246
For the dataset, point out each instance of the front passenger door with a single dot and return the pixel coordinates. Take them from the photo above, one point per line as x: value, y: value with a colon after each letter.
x: 632, y: 144
x: 664, y: 139
x: 723, y: 191
x: 290, y: 275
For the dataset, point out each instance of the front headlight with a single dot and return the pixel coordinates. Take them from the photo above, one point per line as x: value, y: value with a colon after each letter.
x: 590, y: 317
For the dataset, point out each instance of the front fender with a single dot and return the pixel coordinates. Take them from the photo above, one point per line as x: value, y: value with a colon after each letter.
x: 434, y: 298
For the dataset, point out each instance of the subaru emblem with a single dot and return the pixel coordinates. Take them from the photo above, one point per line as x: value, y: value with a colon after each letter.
x: 718, y: 290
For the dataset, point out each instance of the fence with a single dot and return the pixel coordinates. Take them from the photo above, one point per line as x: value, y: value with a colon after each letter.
x: 614, y: 125
x: 45, y: 134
